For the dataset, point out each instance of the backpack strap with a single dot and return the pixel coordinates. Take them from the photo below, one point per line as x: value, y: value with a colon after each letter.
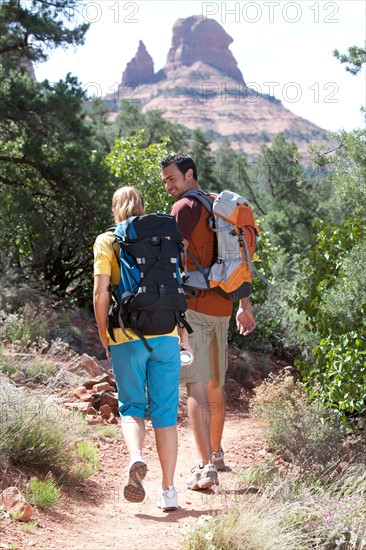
x: 207, y: 202
x: 204, y: 198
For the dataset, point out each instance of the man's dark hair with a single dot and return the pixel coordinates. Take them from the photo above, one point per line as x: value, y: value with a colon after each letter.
x: 182, y: 162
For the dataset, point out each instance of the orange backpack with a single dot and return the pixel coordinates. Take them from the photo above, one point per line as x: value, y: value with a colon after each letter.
x: 231, y: 218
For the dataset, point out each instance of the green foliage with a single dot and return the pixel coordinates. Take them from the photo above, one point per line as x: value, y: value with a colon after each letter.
x: 264, y: 473
x: 133, y: 163
x: 333, y: 297
x: 129, y: 120
x: 199, y: 150
x: 47, y: 163
x: 254, y: 524
x: 41, y: 371
x: 287, y: 197
x: 87, y: 460
x: 30, y: 30
x: 331, y: 290
x: 355, y: 58
x: 107, y: 431
x: 29, y: 526
x: 44, y: 494
x: 23, y: 330
x: 339, y: 366
x: 350, y: 172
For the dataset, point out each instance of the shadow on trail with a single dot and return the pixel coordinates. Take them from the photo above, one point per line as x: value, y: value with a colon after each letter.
x: 174, y: 516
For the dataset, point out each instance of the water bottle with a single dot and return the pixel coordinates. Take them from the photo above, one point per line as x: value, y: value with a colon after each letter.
x: 186, y: 358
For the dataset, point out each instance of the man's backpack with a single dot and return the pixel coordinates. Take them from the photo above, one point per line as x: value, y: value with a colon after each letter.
x: 149, y: 298
x: 231, y: 219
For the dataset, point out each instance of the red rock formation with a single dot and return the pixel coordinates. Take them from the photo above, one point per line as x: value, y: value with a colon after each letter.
x: 197, y: 39
x: 140, y: 69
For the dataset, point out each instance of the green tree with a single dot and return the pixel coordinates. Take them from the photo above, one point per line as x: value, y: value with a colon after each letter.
x: 231, y: 168
x: 287, y: 197
x: 52, y: 183
x: 133, y: 163
x: 29, y: 30
x: 355, y: 58
x: 131, y: 119
x: 332, y: 291
x: 199, y: 149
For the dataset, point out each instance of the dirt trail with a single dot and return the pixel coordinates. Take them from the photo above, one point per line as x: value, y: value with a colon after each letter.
x: 94, y: 515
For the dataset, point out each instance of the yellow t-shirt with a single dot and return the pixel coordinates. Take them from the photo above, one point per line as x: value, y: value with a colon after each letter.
x: 106, y: 263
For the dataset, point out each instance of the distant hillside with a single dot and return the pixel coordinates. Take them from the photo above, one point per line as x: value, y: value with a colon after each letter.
x: 202, y: 87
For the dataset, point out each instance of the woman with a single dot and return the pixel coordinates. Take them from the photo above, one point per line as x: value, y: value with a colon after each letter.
x: 145, y: 380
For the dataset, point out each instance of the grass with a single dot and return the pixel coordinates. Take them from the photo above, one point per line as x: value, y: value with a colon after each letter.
x: 29, y: 526
x: 41, y: 370
x: 87, y: 460
x: 108, y: 431
x: 44, y: 494
x: 35, y: 432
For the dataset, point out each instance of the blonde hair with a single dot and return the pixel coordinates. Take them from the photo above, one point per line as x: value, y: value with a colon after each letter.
x: 127, y: 201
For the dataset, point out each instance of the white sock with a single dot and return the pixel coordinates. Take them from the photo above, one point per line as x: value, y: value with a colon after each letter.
x: 136, y: 456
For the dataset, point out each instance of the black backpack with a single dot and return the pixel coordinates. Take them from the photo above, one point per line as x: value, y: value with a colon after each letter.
x: 149, y: 298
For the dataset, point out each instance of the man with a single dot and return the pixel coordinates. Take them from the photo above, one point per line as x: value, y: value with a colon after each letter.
x: 209, y: 315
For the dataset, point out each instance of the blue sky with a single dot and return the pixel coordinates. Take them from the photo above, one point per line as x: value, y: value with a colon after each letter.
x: 283, y: 48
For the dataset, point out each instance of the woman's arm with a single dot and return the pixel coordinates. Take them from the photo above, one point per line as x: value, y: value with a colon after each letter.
x: 101, y: 307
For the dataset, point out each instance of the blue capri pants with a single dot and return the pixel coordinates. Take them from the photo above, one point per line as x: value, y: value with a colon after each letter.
x: 148, y: 381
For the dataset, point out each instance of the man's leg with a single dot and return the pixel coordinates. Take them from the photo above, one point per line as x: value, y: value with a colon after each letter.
x: 215, y: 390
x: 217, y: 400
x: 199, y: 416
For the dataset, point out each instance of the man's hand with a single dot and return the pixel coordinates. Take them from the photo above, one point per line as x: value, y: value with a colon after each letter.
x: 245, y: 322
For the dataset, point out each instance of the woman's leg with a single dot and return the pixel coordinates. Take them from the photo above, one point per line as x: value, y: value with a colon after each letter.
x: 133, y: 431
x: 167, y: 446
x: 129, y: 368
x: 163, y: 371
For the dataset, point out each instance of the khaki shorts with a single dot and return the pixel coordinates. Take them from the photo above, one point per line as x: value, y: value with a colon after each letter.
x: 209, y: 345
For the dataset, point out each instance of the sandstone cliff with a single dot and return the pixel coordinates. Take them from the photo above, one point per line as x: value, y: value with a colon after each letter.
x: 140, y: 69
x: 195, y: 39
x: 202, y: 87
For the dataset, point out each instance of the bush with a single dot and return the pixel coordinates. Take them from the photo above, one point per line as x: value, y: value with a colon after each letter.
x: 257, y: 524
x: 87, y: 460
x: 44, y: 494
x: 35, y: 432
x: 289, y: 515
x: 306, y: 432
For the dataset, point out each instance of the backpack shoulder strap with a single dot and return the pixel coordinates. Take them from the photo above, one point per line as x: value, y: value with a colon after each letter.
x: 204, y: 198
x: 110, y: 229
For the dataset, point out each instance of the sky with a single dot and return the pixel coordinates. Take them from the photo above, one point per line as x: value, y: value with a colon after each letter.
x: 282, y: 48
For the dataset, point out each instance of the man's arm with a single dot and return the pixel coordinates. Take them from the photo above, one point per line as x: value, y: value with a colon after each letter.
x: 101, y: 307
x: 245, y: 321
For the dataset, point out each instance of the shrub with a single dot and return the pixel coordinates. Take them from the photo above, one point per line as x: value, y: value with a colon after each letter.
x: 87, y: 459
x: 308, y: 434
x: 289, y: 514
x: 41, y: 371
x: 44, y: 494
x: 35, y: 432
x: 257, y: 524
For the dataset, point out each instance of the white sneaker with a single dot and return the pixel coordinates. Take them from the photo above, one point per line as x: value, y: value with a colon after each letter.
x: 203, y: 477
x: 134, y: 491
x: 168, y: 500
x: 217, y: 458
